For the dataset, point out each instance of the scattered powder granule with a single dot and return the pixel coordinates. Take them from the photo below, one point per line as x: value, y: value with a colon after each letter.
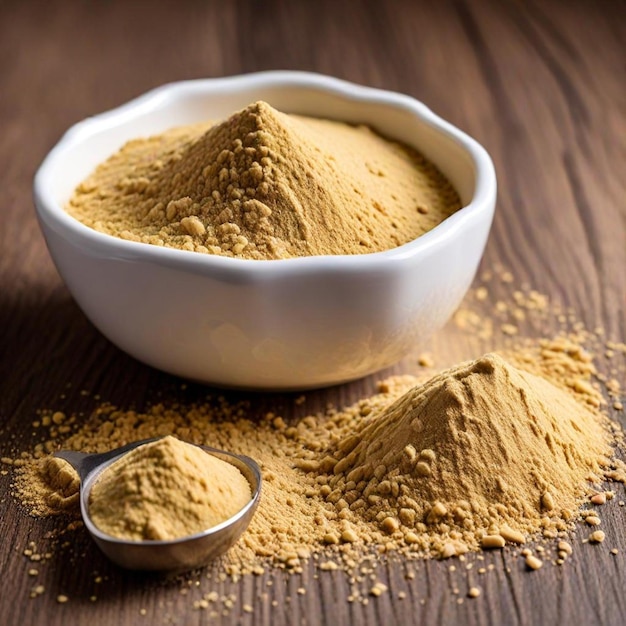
x: 598, y: 498
x: 533, y: 563
x: 597, y: 536
x: 52, y: 486
x: 164, y: 490
x: 378, y: 589
x: 426, y: 360
x: 512, y: 536
x: 509, y: 329
x: 266, y: 185
x: 473, y: 592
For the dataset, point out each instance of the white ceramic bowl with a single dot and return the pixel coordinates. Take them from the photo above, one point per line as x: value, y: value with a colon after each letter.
x: 286, y: 324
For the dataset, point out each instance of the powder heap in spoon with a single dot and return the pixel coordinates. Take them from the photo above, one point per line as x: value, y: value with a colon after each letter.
x: 165, y: 490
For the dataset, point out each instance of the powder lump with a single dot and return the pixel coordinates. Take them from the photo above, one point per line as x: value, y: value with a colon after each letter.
x: 166, y: 489
x: 266, y: 185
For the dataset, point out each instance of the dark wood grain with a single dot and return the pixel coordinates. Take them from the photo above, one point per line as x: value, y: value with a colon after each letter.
x: 539, y: 83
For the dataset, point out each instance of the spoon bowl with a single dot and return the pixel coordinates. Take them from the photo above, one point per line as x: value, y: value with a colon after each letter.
x: 179, y: 554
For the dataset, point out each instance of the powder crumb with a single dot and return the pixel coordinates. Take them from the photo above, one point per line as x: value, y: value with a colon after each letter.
x: 492, y: 541
x: 597, y: 536
x: 533, y: 563
x: 481, y: 293
x: 378, y: 589
x: 512, y: 536
x: 598, y: 498
x: 62, y: 599
x: 426, y: 360
x: 328, y: 566
x: 473, y: 592
x: 247, y: 608
x: 547, y: 501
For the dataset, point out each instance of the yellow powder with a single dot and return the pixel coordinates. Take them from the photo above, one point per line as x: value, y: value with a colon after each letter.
x: 480, y: 446
x: 475, y: 451
x: 266, y: 185
x: 164, y: 490
x: 54, y: 485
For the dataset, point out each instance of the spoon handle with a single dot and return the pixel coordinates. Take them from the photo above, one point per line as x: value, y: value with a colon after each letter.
x: 84, y: 463
x: 81, y: 462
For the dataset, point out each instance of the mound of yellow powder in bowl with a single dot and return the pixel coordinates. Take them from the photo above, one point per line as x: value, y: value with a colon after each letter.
x: 166, y: 489
x: 266, y: 185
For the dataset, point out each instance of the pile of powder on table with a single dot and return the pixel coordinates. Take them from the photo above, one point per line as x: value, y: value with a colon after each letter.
x: 481, y: 447
x: 266, y: 185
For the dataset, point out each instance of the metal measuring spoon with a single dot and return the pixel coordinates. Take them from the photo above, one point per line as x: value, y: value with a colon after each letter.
x: 172, y: 554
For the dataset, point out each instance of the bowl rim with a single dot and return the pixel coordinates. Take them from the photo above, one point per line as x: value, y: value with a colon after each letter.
x: 54, y: 215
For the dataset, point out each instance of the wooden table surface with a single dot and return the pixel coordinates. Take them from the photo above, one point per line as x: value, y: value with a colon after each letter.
x: 539, y: 83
